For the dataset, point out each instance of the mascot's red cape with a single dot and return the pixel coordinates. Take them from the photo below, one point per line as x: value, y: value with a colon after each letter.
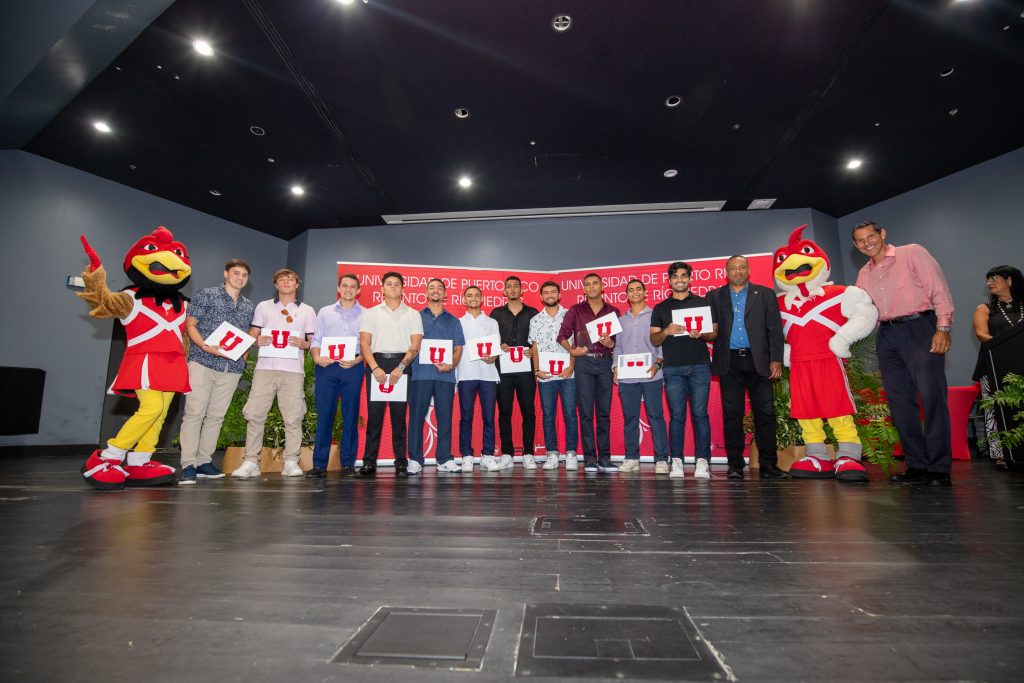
x: 153, y: 368
x: 820, y: 321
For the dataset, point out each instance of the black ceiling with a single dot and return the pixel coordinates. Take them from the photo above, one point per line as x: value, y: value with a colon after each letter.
x: 357, y: 104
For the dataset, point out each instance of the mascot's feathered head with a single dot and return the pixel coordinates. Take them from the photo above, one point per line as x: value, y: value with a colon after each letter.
x: 801, y: 267
x: 159, y: 267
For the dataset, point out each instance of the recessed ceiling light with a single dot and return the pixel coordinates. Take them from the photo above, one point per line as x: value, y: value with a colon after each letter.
x: 215, y: 193
x: 673, y: 101
x: 561, y: 23
x: 761, y: 204
x: 203, y: 48
x: 119, y: 68
x: 946, y: 72
x: 854, y: 164
x: 270, y: 159
x: 461, y: 113
x: 735, y: 126
x: 533, y: 143
x: 101, y: 126
x: 954, y: 112
x: 298, y: 190
x: 345, y: 2
x: 158, y: 66
x: 256, y: 130
x: 465, y: 182
x: 877, y: 124
x: 671, y: 173
x: 177, y: 77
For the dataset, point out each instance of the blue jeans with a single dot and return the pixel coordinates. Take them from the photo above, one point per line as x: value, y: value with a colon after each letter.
x: 549, y: 393
x: 688, y: 383
x: 420, y: 393
x: 629, y: 397
x: 468, y: 392
x: 329, y: 383
x: 594, y: 401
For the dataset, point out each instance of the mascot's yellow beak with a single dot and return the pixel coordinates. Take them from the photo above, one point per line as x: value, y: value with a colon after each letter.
x: 798, y: 269
x: 162, y: 267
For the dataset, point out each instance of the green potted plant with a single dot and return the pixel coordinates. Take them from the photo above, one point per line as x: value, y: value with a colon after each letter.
x: 1010, y: 397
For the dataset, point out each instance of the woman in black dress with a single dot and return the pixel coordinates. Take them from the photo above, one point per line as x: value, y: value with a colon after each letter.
x: 1005, y: 309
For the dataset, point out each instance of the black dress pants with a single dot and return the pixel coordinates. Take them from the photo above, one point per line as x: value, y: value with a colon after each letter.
x: 375, y: 416
x: 522, y: 387
x: 734, y: 385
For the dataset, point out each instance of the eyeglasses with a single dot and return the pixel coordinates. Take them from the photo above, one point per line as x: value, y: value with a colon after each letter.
x: 287, y: 315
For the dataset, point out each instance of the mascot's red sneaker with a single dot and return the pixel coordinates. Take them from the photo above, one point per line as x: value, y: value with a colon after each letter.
x: 809, y: 467
x: 848, y: 469
x: 147, y: 472
x: 104, y: 474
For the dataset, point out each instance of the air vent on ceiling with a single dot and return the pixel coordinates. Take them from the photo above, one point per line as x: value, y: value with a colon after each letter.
x: 555, y: 212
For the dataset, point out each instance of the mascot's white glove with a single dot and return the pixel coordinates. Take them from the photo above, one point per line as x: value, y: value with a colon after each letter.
x: 786, y: 349
x: 861, y: 317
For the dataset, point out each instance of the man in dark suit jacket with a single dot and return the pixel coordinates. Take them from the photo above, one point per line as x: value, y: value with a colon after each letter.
x: 747, y: 357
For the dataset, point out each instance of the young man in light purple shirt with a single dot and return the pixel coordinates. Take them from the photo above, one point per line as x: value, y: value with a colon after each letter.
x: 635, y: 338
x: 337, y: 378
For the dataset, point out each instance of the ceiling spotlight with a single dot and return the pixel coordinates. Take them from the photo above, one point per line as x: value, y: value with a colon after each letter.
x: 533, y: 143
x: 465, y: 182
x: 561, y: 23
x: 854, y: 164
x: 215, y: 193
x: 947, y: 72
x: 673, y: 101
x: 877, y: 124
x: 954, y: 112
x: 735, y: 126
x: 345, y: 2
x: 270, y: 159
x: 461, y: 113
x: 203, y: 48
x: 298, y: 190
x: 671, y: 173
x: 101, y: 126
x: 256, y: 130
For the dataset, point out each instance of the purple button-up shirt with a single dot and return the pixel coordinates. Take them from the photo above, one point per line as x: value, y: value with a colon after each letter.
x: 336, y: 321
x: 636, y: 338
x: 575, y: 326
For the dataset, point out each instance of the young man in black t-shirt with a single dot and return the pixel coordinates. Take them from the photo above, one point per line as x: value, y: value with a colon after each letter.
x: 687, y: 371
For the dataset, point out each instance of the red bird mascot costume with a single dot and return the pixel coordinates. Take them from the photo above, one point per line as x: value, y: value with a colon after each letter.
x: 820, y: 321
x: 153, y: 368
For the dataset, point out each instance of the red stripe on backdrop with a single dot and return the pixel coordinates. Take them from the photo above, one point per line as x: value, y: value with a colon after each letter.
x: 708, y: 273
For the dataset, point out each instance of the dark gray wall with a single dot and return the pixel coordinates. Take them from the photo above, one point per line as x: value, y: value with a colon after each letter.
x: 969, y: 221
x: 44, y: 207
x: 548, y: 244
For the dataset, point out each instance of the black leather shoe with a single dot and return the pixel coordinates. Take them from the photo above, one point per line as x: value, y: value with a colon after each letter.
x: 315, y: 473
x: 912, y: 476
x: 401, y: 470
x: 368, y: 470
x: 772, y: 472
x: 734, y: 473
x: 348, y: 471
x: 940, y: 479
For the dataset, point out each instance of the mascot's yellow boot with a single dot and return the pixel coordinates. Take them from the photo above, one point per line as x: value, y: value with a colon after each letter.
x: 153, y: 368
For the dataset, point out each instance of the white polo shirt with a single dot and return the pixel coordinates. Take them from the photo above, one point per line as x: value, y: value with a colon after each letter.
x: 473, y: 328
x: 392, y: 330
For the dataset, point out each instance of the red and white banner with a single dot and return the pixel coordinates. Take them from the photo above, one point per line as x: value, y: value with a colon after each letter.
x: 708, y: 274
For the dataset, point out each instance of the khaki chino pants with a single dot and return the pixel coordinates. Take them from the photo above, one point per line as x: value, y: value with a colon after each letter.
x: 291, y: 400
x: 205, y: 408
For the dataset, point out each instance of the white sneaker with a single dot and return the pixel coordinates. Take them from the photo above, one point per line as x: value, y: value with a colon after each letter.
x: 506, y: 462
x: 629, y: 465
x: 551, y: 461
x: 291, y: 469
x: 570, y: 460
x: 703, y: 471
x: 247, y: 470
x: 529, y: 463
x: 489, y: 463
x: 449, y: 466
x: 661, y: 467
x: 413, y: 468
x: 467, y: 463
x: 677, y: 468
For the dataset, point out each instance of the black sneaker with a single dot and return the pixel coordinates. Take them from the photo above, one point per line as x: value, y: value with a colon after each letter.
x: 773, y: 472
x: 605, y: 464
x: 590, y: 464
x: 348, y: 471
x: 315, y: 473
x: 368, y: 470
x: 940, y: 479
x: 734, y: 473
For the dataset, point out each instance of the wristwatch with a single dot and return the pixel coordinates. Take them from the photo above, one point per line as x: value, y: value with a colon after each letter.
x: 944, y: 328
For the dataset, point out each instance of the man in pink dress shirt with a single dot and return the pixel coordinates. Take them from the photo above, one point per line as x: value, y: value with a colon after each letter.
x: 915, y: 313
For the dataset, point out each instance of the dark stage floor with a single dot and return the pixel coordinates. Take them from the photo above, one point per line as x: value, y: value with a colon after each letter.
x: 537, y: 576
